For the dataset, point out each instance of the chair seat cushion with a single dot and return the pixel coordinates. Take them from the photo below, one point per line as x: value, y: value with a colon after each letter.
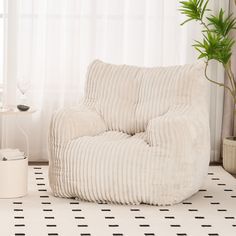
x: 117, y: 167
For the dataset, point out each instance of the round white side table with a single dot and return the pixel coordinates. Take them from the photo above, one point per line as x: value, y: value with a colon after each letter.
x: 15, y: 112
x: 14, y: 173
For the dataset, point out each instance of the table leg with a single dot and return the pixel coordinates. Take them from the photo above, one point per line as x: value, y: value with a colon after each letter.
x: 25, y: 136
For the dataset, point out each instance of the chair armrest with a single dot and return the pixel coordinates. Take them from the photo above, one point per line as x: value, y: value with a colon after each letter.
x: 71, y: 123
x: 180, y: 127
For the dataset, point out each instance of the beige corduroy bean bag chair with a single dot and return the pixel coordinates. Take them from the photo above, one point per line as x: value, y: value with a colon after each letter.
x: 141, y: 135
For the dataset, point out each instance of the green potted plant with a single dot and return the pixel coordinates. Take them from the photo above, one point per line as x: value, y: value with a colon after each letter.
x: 216, y: 44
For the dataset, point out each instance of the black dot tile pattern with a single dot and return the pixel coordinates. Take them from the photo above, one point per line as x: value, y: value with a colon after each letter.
x: 105, y: 209
x: 163, y: 209
x: 139, y: 217
x: 199, y: 217
x: 169, y: 217
x: 71, y: 217
x: 134, y: 209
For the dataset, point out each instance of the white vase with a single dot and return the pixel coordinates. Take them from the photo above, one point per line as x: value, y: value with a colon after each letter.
x: 13, y: 178
x: 229, y: 154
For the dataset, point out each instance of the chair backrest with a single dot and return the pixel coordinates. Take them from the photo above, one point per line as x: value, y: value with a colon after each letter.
x: 127, y: 97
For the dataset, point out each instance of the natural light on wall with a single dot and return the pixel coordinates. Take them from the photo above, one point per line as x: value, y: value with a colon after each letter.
x: 51, y: 43
x: 2, y: 16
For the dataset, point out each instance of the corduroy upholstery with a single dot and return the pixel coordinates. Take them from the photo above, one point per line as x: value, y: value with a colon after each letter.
x: 141, y: 135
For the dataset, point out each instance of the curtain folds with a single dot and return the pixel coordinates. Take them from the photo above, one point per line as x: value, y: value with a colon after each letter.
x: 55, y: 40
x: 229, y: 128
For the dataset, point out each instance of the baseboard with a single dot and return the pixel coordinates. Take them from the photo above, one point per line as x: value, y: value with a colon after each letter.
x: 45, y: 163
x: 38, y: 163
x: 216, y: 163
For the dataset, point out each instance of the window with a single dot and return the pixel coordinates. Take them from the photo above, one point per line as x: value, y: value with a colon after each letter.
x: 2, y: 16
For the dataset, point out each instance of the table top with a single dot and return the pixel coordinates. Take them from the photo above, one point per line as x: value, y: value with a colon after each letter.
x: 15, y: 111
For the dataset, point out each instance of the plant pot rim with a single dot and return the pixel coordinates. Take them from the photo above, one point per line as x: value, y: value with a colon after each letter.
x: 232, y: 138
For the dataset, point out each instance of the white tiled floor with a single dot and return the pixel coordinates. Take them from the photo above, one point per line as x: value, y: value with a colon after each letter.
x: 211, y: 212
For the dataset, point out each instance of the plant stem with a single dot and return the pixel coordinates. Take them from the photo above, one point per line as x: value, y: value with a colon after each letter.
x: 205, y: 25
x: 229, y: 77
x: 232, y: 75
x: 219, y: 84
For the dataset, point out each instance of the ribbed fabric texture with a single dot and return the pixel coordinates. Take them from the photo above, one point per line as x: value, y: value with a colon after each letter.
x: 140, y: 136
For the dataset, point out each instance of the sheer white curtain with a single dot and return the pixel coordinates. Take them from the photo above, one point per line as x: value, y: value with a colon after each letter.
x: 217, y: 97
x: 55, y: 40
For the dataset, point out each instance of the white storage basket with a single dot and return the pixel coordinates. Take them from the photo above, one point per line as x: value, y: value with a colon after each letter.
x: 13, y: 178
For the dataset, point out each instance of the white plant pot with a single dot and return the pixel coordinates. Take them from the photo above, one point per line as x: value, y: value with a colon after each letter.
x: 13, y: 178
x: 229, y: 154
